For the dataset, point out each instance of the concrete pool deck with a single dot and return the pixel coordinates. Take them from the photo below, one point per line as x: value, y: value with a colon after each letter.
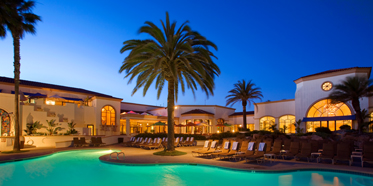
x: 137, y: 156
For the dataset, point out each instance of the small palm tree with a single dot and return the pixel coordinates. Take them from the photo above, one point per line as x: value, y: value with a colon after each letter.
x: 178, y: 56
x: 352, y: 89
x: 17, y: 17
x: 53, y: 127
x: 246, y: 93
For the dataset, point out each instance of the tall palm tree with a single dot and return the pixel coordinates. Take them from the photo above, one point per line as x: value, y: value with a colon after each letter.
x: 17, y: 17
x: 352, y: 89
x: 176, y: 56
x: 246, y: 93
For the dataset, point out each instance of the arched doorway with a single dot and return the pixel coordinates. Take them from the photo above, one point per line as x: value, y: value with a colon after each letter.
x: 327, y: 115
x: 266, y: 122
x: 108, y: 115
x: 288, y: 121
x: 4, y: 123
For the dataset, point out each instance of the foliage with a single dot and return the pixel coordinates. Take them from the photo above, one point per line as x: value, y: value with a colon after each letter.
x: 273, y: 127
x: 71, y: 129
x: 298, y: 129
x: 366, y: 116
x: 246, y: 93
x: 53, y: 127
x: 169, y: 153
x: 161, y: 135
x: 179, y: 56
x: 323, y: 130
x: 352, y: 89
x: 222, y: 135
x: 31, y: 128
x: 283, y: 129
x: 345, y: 127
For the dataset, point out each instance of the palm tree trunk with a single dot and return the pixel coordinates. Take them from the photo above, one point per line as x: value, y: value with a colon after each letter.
x: 244, y: 103
x: 17, y: 65
x: 170, y: 115
x: 356, y: 105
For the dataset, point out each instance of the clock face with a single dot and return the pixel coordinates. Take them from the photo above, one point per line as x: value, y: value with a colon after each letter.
x: 327, y: 86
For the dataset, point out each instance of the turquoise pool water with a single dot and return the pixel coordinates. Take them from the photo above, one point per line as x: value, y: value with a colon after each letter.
x: 84, y: 168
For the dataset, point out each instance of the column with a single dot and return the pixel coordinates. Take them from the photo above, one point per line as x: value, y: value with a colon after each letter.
x: 128, y: 126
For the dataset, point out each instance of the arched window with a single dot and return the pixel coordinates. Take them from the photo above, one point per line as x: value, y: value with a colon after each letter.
x: 107, y: 115
x: 266, y: 122
x: 288, y: 121
x: 4, y: 123
x: 325, y: 108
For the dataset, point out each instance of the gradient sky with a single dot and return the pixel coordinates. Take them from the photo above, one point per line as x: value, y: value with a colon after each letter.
x: 271, y: 42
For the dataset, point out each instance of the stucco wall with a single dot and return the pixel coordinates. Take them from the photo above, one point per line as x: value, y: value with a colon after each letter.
x: 99, y: 103
x: 275, y: 109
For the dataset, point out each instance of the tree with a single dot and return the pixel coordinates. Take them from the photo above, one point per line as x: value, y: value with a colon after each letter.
x: 246, y: 93
x: 176, y: 56
x: 17, y: 17
x: 53, y: 127
x: 352, y: 89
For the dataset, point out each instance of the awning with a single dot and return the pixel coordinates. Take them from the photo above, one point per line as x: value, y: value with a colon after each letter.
x: 351, y: 117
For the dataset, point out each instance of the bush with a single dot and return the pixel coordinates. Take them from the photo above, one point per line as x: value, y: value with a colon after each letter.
x: 223, y: 135
x: 345, y: 127
x: 325, y: 130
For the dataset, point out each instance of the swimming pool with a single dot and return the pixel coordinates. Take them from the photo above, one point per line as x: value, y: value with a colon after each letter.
x: 83, y: 167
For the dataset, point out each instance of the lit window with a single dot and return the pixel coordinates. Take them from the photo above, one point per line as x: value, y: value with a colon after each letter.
x: 371, y: 125
x: 108, y: 115
x: 325, y: 108
x: 288, y: 121
x: 266, y: 122
x: 50, y: 102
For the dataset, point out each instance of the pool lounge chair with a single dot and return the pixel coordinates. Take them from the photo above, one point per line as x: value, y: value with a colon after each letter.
x: 129, y: 143
x: 164, y: 142
x: 343, y: 153
x: 157, y: 144
x: 305, y: 152
x: 182, y: 143
x: 76, y: 142
x: 97, y: 141
x: 276, y: 149
x: 294, y: 150
x: 177, y: 141
x: 140, y: 142
x: 190, y: 142
x: 367, y: 153
x: 211, y: 148
x: 327, y: 153
x: 263, y: 148
x: 83, y: 142
x: 247, y: 148
x: 232, y: 151
x: 224, y: 149
x: 205, y: 148
x: 146, y: 143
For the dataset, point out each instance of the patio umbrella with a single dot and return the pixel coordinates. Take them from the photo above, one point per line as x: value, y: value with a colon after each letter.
x: 190, y: 124
x: 179, y: 125
x: 227, y: 125
x: 37, y: 95
x: 131, y: 112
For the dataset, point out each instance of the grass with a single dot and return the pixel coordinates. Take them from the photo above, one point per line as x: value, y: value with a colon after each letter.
x: 168, y: 153
x: 11, y: 152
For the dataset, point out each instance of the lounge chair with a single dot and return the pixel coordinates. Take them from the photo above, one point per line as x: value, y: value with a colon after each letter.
x: 83, y: 142
x: 157, y: 144
x: 247, y: 148
x: 76, y: 142
x: 294, y: 150
x: 97, y: 141
x: 205, y: 148
x: 232, y: 152
x: 287, y: 143
x: 164, y: 142
x: 148, y: 142
x: 212, y: 148
x: 140, y: 142
x: 343, y: 153
x: 367, y: 153
x: 191, y: 142
x: 224, y: 149
x: 276, y: 149
x: 305, y: 151
x: 327, y: 153
x: 128, y: 143
x: 182, y: 143
x: 177, y: 141
x: 263, y: 148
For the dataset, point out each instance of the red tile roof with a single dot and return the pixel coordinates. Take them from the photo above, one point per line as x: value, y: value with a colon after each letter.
x: 335, y: 70
x: 51, y: 86
x: 241, y: 113
x: 197, y: 111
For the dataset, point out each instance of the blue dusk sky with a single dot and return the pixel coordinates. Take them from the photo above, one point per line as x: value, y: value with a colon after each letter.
x: 270, y: 42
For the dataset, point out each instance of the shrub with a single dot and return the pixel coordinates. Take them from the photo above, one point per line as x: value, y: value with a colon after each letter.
x: 323, y: 130
x: 161, y: 135
x: 345, y: 127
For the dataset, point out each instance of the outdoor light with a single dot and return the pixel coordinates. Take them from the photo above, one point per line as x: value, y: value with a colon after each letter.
x: 175, y: 107
x: 232, y: 130
x: 50, y: 102
x: 218, y: 131
x: 240, y: 125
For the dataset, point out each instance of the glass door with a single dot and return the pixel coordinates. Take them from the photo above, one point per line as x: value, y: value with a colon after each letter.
x: 91, y: 129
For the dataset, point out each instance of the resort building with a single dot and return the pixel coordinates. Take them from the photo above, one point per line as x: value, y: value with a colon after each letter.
x: 99, y: 114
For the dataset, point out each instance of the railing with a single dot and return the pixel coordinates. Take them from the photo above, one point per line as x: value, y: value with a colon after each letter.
x: 118, y: 153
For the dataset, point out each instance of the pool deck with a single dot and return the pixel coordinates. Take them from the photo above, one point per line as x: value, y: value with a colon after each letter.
x: 137, y: 156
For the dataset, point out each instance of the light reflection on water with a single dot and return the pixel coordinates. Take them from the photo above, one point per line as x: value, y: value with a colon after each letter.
x: 83, y: 168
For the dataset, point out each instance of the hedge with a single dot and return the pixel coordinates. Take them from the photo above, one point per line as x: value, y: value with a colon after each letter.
x: 161, y: 135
